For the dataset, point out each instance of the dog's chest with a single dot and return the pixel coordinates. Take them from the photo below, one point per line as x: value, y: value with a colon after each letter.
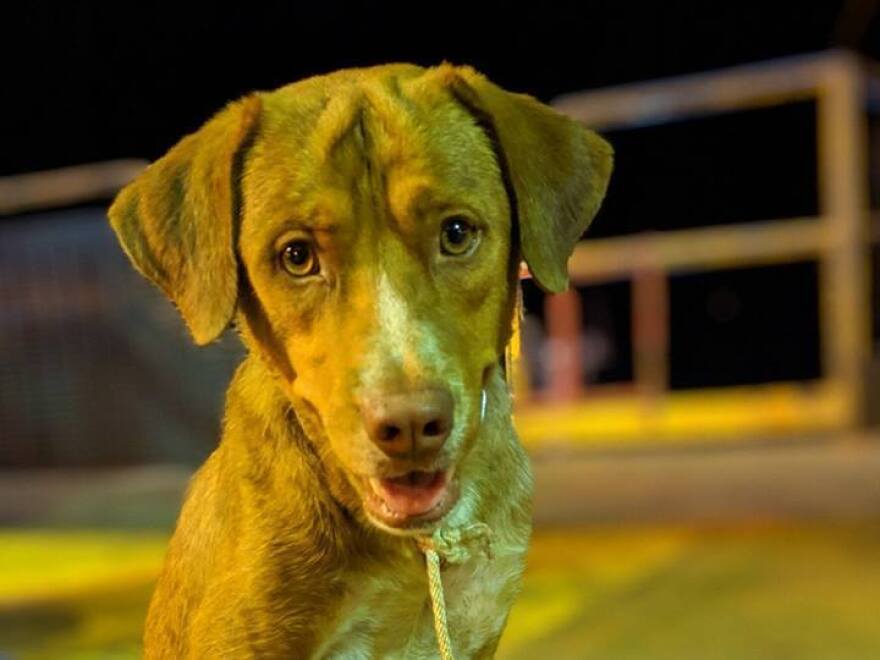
x: 388, y: 614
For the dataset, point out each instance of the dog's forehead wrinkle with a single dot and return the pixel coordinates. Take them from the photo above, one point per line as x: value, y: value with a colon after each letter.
x: 339, y: 120
x: 364, y: 109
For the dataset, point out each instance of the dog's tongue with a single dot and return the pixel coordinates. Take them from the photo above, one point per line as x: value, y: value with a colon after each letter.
x: 412, y: 494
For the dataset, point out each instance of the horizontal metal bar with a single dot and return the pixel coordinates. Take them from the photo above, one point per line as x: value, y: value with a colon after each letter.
x: 749, y: 86
x: 66, y: 186
x: 777, y: 241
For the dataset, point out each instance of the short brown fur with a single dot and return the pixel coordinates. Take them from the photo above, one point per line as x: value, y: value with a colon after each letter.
x: 275, y: 554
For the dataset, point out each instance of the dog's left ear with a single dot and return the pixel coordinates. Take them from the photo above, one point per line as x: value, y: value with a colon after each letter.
x: 176, y: 221
x: 558, y: 170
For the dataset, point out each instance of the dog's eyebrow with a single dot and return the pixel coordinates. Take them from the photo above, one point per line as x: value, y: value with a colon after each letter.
x: 416, y: 196
x: 312, y: 224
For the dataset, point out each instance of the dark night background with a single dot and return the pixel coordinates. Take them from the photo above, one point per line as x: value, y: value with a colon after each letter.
x: 87, y: 81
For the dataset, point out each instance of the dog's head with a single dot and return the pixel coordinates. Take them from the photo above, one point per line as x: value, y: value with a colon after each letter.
x: 365, y: 229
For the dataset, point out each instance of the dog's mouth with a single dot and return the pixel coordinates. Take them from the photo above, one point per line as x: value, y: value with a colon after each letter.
x: 410, y: 500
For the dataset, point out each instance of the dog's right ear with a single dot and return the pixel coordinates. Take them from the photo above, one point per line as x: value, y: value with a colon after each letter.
x: 557, y: 170
x: 176, y: 221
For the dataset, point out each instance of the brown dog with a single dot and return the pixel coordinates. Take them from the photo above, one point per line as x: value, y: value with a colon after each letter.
x: 363, y: 230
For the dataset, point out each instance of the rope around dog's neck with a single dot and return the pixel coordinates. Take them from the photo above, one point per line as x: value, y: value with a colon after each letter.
x: 438, y: 604
x: 457, y: 545
x: 452, y: 546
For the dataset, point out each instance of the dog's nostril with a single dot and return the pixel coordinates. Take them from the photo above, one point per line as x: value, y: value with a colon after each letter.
x: 411, y: 424
x: 432, y: 428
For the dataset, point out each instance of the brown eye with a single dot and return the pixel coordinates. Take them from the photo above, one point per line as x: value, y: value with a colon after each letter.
x: 298, y: 258
x: 458, y: 237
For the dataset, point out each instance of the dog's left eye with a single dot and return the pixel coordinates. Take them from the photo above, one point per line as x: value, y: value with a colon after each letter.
x: 458, y: 237
x: 298, y: 258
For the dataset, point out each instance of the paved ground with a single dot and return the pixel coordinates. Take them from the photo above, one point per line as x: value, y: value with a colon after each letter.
x: 804, y: 480
x: 759, y: 552
x: 760, y: 592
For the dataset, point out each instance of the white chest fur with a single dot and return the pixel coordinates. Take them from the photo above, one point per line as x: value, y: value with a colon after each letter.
x: 387, y: 614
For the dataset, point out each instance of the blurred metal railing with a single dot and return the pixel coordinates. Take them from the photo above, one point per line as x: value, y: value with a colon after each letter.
x: 95, y: 366
x: 838, y: 238
x: 66, y: 186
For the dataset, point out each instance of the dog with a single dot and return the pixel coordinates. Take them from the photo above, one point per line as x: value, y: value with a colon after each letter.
x: 363, y: 232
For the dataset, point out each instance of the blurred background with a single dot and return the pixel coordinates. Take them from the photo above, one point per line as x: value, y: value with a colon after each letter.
x: 700, y: 407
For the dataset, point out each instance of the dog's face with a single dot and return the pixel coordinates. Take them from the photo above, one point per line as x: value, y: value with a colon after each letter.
x: 376, y: 236
x: 367, y: 227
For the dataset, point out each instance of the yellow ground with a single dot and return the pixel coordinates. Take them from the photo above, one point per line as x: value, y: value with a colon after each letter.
x: 631, y: 593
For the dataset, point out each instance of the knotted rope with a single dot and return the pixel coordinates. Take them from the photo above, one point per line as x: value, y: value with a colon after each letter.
x: 452, y: 546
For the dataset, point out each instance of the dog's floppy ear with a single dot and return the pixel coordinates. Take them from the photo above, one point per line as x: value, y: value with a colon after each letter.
x: 176, y: 221
x: 558, y: 170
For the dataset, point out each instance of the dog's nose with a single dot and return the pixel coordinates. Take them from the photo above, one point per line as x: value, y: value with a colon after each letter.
x: 410, y: 425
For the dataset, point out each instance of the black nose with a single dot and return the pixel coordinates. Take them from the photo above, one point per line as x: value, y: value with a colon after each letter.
x: 411, y: 425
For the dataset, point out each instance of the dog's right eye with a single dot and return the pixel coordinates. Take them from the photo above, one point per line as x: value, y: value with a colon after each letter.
x: 458, y: 237
x: 298, y: 258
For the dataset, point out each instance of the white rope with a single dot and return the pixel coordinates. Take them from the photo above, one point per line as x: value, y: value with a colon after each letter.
x: 438, y: 604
